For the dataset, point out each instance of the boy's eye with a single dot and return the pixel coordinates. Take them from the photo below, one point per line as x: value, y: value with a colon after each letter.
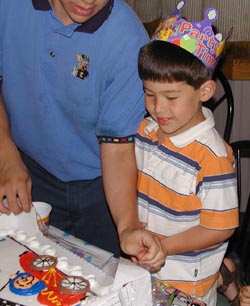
x: 171, y: 98
x: 148, y: 94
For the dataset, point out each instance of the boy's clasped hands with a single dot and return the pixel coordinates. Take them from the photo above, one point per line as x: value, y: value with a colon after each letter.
x: 150, y: 253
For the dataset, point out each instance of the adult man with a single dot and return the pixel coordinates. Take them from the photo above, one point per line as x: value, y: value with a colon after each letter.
x: 69, y: 78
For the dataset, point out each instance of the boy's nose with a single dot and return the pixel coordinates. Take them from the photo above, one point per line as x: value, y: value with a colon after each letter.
x: 159, y: 106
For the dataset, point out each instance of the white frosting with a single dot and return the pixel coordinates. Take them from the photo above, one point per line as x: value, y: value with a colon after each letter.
x: 91, y: 278
x: 62, y: 264
x: 75, y: 270
x: 44, y: 247
x: 76, y: 273
x: 62, y: 259
x: 20, y: 235
x: 34, y: 244
x: 3, y: 233
x: 30, y: 239
x: 50, y: 251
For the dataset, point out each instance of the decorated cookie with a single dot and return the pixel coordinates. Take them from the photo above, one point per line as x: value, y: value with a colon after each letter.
x: 74, y: 285
x: 43, y: 262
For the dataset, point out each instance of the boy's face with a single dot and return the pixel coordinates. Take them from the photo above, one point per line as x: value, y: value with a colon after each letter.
x: 176, y: 107
x: 25, y: 282
x: 79, y: 11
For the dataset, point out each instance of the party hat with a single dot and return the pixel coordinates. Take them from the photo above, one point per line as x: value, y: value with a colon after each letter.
x: 198, y: 38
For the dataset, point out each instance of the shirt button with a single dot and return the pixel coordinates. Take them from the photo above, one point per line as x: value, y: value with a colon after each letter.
x: 52, y: 54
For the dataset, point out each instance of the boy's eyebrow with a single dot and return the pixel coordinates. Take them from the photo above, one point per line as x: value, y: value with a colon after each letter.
x: 165, y: 91
x: 172, y: 91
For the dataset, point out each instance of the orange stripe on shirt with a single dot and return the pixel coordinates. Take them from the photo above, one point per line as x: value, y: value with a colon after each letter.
x: 198, y: 289
x: 165, y: 196
x: 220, y: 220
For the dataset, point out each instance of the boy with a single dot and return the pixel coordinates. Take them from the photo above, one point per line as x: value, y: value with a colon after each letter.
x: 186, y: 181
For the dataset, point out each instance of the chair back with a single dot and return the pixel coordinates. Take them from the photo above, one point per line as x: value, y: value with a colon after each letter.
x: 241, y: 150
x: 225, y: 97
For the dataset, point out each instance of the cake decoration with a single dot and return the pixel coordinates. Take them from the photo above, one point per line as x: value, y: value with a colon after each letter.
x: 74, y: 285
x: 25, y: 284
x: 43, y: 262
x: 43, y: 268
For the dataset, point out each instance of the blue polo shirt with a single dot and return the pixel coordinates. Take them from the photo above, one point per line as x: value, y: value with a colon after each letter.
x: 65, y: 85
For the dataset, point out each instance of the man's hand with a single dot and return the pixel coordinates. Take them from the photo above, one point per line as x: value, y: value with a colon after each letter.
x: 15, y: 183
x: 144, y: 247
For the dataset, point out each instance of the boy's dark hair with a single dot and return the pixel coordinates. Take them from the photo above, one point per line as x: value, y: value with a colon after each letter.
x: 162, y: 61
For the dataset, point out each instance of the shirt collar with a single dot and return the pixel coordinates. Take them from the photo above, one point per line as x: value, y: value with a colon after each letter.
x: 91, y: 25
x: 185, y: 138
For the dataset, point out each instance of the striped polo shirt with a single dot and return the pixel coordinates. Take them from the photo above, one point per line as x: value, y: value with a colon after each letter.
x: 188, y: 180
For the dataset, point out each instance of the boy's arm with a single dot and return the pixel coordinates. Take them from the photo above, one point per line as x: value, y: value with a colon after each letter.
x: 14, y: 178
x: 119, y: 179
x: 219, y: 212
x: 194, y: 239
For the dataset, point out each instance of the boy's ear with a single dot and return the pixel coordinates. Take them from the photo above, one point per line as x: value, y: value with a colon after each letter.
x: 207, y: 90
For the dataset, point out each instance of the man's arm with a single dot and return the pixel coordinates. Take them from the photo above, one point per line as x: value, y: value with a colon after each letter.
x: 119, y: 179
x: 15, y: 181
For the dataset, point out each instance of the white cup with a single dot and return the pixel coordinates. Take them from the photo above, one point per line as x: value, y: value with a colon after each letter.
x: 43, y: 211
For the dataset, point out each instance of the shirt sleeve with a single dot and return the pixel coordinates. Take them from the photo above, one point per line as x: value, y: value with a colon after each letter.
x: 218, y: 194
x: 122, y: 101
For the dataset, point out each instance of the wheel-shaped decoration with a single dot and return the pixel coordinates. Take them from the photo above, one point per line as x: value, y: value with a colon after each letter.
x: 74, y: 285
x: 43, y: 262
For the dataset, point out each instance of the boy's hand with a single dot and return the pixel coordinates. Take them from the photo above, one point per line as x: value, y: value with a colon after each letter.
x: 144, y: 247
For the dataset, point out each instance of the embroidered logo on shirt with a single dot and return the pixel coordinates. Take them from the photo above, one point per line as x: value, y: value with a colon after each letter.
x: 81, y: 70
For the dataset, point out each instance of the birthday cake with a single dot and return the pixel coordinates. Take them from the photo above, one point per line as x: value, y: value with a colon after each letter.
x: 36, y: 270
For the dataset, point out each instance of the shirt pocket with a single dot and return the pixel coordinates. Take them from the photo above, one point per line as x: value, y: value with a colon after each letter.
x: 179, y: 180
